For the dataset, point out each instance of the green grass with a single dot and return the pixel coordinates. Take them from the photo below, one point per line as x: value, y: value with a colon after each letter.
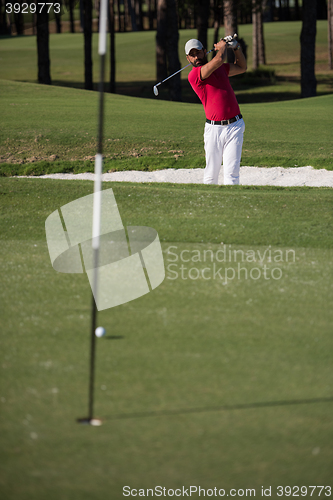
x: 53, y: 129
x: 136, y: 71
x: 199, y: 382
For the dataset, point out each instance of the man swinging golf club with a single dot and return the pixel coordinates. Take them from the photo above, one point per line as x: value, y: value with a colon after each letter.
x: 224, y: 128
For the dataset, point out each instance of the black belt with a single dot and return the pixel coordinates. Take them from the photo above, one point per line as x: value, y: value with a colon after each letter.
x: 225, y: 122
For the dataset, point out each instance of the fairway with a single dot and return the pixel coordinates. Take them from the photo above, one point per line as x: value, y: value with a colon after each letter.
x: 213, y: 380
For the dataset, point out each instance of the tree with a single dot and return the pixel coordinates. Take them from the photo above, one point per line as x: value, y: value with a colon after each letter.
x: 87, y: 31
x: 58, y: 22
x: 321, y: 9
x: 167, y: 59
x: 71, y: 15
x: 43, y: 53
x: 258, y: 43
x: 230, y: 26
x: 5, y: 24
x: 267, y: 11
x: 230, y: 16
x: 112, y: 88
x: 297, y: 11
x: 230, y: 23
x: 138, y: 14
x: 175, y: 88
x: 121, y: 16
x: 19, y: 22
x: 218, y: 8
x: 151, y: 11
x: 330, y: 33
x: 131, y: 11
x: 202, y: 20
x: 308, y: 44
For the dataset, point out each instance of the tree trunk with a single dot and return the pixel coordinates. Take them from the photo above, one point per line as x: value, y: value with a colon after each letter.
x: 126, y: 16
x: 321, y: 9
x: 19, y: 23
x: 71, y: 15
x: 3, y: 20
x: 175, y: 88
x: 297, y: 11
x: 112, y: 87
x: 167, y: 59
x: 88, y: 64
x: 258, y: 42
x: 255, y: 46
x: 43, y: 55
x: 281, y: 16
x: 202, y: 21
x: 217, y: 19
x: 287, y: 15
x: 34, y: 23
x: 151, y: 14
x: 58, y: 22
x: 230, y: 23
x: 138, y: 14
x: 308, y: 44
x: 267, y: 11
x: 330, y: 33
x: 230, y: 17
x: 161, y: 34
x: 261, y: 39
x: 131, y: 11
x: 82, y: 15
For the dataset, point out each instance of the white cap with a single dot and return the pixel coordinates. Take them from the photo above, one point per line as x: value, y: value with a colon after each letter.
x: 192, y: 44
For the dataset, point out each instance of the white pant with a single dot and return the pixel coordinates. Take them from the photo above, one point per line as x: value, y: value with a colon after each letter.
x: 223, y: 142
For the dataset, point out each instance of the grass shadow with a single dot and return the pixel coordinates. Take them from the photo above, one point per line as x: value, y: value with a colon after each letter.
x: 257, y: 86
x: 248, y: 406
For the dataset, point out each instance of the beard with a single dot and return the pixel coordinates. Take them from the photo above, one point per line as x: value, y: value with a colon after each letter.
x: 200, y: 62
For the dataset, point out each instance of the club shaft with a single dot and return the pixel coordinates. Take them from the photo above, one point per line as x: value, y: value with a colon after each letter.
x: 174, y: 74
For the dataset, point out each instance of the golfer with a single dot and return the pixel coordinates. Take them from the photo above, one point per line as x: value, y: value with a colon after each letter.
x: 224, y: 126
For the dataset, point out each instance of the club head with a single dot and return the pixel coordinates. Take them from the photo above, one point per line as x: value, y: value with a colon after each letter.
x: 155, y: 89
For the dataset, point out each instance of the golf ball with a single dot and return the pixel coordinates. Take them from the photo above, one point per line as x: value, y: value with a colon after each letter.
x: 100, y: 331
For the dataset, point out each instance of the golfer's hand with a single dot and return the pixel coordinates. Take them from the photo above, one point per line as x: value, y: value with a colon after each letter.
x: 221, y: 45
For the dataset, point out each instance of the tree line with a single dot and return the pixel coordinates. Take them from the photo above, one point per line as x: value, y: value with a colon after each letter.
x: 138, y: 15
x: 168, y: 16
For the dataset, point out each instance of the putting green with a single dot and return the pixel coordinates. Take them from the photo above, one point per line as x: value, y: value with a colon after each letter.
x: 206, y: 381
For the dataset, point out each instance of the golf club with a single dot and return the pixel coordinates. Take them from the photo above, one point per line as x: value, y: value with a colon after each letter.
x: 155, y: 89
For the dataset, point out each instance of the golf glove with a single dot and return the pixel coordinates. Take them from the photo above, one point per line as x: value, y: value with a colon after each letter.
x: 231, y: 41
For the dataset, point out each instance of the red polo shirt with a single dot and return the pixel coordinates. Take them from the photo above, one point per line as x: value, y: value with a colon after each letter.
x: 215, y: 93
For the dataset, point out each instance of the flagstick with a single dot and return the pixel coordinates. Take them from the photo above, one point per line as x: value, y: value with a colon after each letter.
x: 97, y: 212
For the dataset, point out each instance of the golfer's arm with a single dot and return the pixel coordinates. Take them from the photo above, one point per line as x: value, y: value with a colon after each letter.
x: 212, y: 65
x: 239, y: 65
